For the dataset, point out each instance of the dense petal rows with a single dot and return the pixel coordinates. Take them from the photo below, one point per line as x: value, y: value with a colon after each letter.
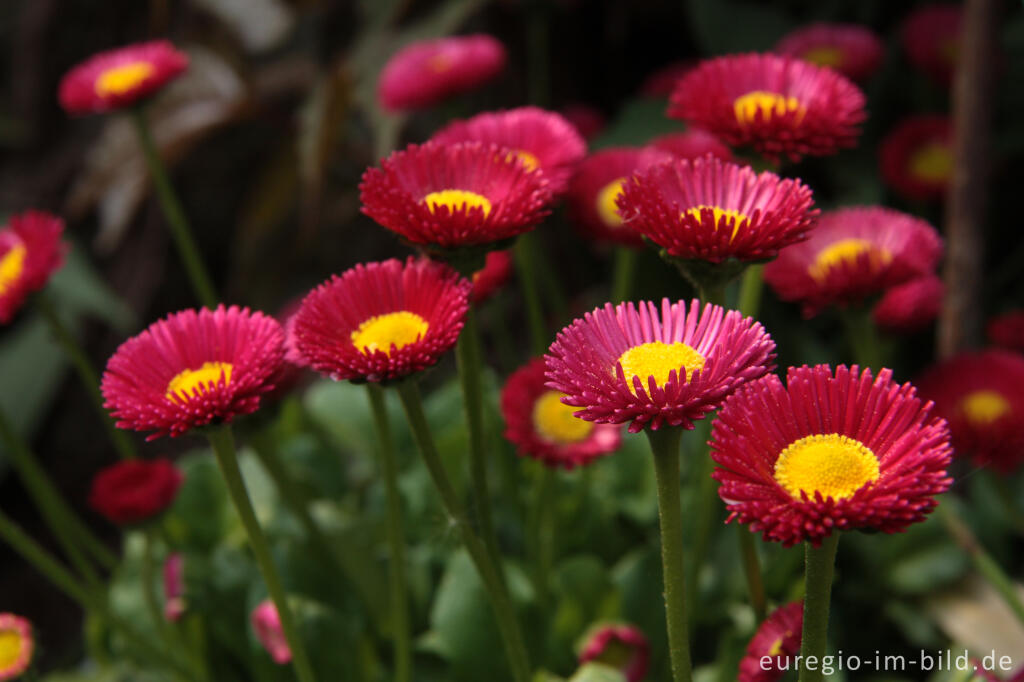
x: 119, y: 78
x: 777, y: 639
x: 30, y: 252
x: 852, y: 50
x: 492, y: 276
x: 910, y: 306
x: 134, y: 491
x: 609, y: 640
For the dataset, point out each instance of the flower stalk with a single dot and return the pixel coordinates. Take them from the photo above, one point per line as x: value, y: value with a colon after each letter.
x: 819, y: 566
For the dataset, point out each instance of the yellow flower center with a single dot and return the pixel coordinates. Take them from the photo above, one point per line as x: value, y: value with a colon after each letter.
x: 833, y: 465
x: 186, y: 384
x: 846, y: 252
x: 769, y: 104
x: 457, y: 200
x: 124, y: 78
x: 658, y: 360
x: 11, y: 265
x: 932, y: 162
x: 529, y: 161
x: 10, y: 648
x: 825, y: 55
x: 555, y: 422
x: 397, y: 329
x: 606, y: 207
x: 984, y: 407
x: 776, y: 647
x: 720, y: 213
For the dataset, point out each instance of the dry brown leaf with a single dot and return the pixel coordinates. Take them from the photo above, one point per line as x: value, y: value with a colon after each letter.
x: 974, y: 615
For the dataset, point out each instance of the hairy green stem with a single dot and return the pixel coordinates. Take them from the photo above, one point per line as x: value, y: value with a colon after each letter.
x: 819, y: 566
x: 863, y: 336
x: 526, y: 266
x: 623, y: 273
x: 751, y: 287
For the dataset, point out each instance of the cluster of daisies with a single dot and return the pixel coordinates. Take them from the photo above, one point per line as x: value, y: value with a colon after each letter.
x: 798, y: 459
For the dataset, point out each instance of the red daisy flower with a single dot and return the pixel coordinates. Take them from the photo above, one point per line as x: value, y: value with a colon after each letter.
x: 916, y: 157
x: 981, y: 394
x: 119, y: 78
x: 852, y: 50
x: 454, y: 196
x: 853, y: 253
x: 629, y: 363
x: 426, y: 72
x: 380, y: 321
x: 492, y: 276
x: 779, y: 105
x: 16, y: 646
x: 133, y: 491
x: 623, y: 647
x: 712, y: 210
x: 541, y: 426
x: 828, y: 453
x: 1007, y: 330
x: 692, y: 144
x: 587, y: 120
x: 192, y: 368
x: 542, y: 140
x: 597, y: 185
x: 663, y: 81
x: 931, y: 39
x: 30, y: 251
x: 775, y: 642
x: 911, y: 306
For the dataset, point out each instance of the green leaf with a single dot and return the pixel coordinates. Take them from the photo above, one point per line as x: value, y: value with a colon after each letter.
x: 637, y: 123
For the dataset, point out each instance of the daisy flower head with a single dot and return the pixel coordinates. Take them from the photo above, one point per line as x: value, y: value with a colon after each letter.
x: 380, y: 321
x: 779, y: 105
x: 654, y: 366
x: 692, y: 144
x: 595, y: 188
x: 492, y: 276
x: 854, y: 253
x: 193, y: 368
x: 30, y: 252
x: 981, y: 394
x: 916, y: 157
x: 777, y: 639
x: 426, y: 72
x: 541, y: 140
x: 541, y: 426
x: 623, y: 647
x: 119, y: 78
x: 16, y: 646
x: 853, y: 50
x: 457, y: 201
x: 828, y: 452
x: 133, y: 491
x: 931, y: 39
x: 910, y: 306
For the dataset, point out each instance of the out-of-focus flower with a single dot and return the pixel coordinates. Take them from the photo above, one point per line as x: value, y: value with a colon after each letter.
x: 828, y: 453
x: 426, y: 72
x: 455, y: 196
x: 266, y: 623
x: 633, y: 363
x: 692, y: 144
x: 851, y: 254
x: 492, y: 276
x: 778, y: 639
x: 193, y: 368
x: 30, y: 251
x: 981, y: 394
x: 174, y: 586
x: 931, y: 39
x: 780, y: 106
x: 852, y: 50
x: 119, y: 78
x: 623, y: 647
x: 16, y: 646
x: 541, y: 140
x: 541, y: 426
x: 661, y: 82
x: 380, y: 321
x: 1007, y: 330
x: 134, y: 491
x: 916, y: 157
x: 588, y: 120
x: 910, y: 306
x: 597, y: 185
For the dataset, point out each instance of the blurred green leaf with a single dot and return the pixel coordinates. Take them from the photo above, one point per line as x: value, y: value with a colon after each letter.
x: 727, y: 26
x: 639, y: 121
x: 596, y: 672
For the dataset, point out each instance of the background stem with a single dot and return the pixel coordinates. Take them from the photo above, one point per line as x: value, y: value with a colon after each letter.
x: 623, y: 274
x: 526, y: 267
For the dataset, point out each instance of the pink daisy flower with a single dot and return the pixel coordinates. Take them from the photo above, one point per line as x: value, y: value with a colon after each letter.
x: 193, y: 368
x: 134, y: 491
x: 916, y: 157
x: 853, y: 50
x: 1007, y: 330
x: 380, y: 321
x: 492, y: 276
x: 828, y: 453
x: 692, y: 144
x: 119, y: 78
x: 422, y: 74
x: 16, y: 646
x: 777, y: 639
x: 633, y: 363
x: 931, y: 39
x: 779, y: 105
x: 624, y: 647
x: 911, y: 306
x: 541, y: 426
x: 541, y: 140
x: 30, y: 252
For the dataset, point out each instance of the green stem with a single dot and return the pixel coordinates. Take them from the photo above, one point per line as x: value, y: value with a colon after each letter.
x: 86, y: 372
x: 665, y: 446
x: 396, y: 536
x: 863, y: 336
x: 623, y: 273
x: 713, y: 294
x: 1008, y: 500
x: 751, y: 287
x: 490, y: 573
x: 707, y: 507
x: 202, y: 286
x: 752, y: 571
x: 820, y: 565
x: 982, y: 560
x: 541, y: 530
x: 223, y: 443
x: 526, y: 266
